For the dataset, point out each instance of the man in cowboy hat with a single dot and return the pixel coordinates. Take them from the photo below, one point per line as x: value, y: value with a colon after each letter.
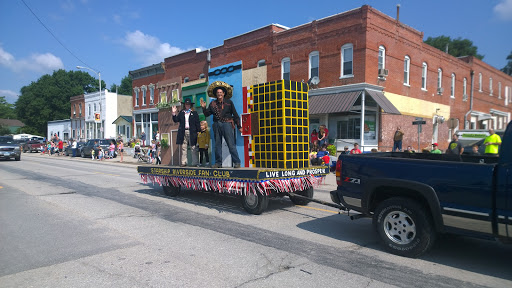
x: 225, y: 118
x: 188, y: 130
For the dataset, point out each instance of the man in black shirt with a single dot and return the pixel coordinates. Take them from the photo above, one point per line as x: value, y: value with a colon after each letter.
x: 455, y: 147
x: 225, y: 118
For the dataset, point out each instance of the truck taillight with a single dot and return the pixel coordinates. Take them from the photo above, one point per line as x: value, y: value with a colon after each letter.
x: 338, y: 173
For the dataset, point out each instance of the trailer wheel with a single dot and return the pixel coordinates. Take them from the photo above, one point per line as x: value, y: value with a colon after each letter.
x: 307, y: 193
x: 172, y: 191
x: 254, y: 203
x: 404, y: 226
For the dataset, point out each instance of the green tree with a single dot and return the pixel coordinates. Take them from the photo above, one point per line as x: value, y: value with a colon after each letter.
x: 508, y: 68
x: 125, y: 88
x: 456, y: 47
x: 6, y: 109
x: 4, y: 130
x: 48, y: 98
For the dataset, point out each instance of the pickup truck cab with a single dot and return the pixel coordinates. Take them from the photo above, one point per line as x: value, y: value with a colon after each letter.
x: 414, y: 196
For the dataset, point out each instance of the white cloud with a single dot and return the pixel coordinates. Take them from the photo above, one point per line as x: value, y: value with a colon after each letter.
x: 6, y: 58
x: 149, y: 49
x: 36, y: 62
x: 504, y: 10
x: 10, y: 96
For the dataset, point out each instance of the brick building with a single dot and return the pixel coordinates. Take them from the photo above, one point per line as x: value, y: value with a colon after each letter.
x: 369, y: 73
x: 77, y: 117
x: 145, y: 98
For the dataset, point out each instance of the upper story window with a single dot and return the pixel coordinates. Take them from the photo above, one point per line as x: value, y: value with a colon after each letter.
x: 347, y: 56
x: 439, y: 81
x: 452, y: 86
x: 136, y: 90
x: 261, y: 63
x: 285, y: 68
x: 490, y: 86
x: 143, y: 88
x: 465, y: 89
x: 99, y: 106
x: 480, y: 82
x: 382, y: 57
x: 74, y: 109
x: 89, y: 109
x: 407, y: 67
x: 201, y: 76
x: 508, y: 97
x: 80, y: 109
x: 186, y: 79
x: 94, y: 107
x: 151, y: 93
x: 499, y: 90
x: 314, y: 63
x: 424, y: 70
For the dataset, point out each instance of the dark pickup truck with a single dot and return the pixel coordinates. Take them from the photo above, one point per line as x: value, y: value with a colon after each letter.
x: 412, y: 197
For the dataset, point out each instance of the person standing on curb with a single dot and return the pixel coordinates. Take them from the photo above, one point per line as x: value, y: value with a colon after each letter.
x: 143, y: 138
x: 455, y: 147
x: 397, y: 139
x: 74, y: 147
x: 492, y: 143
x: 120, y: 148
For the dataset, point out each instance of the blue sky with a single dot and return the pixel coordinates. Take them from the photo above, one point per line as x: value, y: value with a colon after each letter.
x: 117, y: 36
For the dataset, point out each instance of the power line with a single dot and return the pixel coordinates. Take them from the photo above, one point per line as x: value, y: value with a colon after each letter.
x: 51, y: 33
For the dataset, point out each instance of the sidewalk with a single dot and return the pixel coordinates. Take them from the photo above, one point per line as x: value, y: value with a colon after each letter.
x: 127, y: 159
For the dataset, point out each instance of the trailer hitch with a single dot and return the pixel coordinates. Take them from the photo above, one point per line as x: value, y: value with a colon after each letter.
x: 334, y: 205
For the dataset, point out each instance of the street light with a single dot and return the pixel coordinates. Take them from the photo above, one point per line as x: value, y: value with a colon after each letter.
x: 99, y: 77
x: 98, y: 73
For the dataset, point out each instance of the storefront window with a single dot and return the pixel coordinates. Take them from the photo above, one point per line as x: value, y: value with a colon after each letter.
x: 349, y: 129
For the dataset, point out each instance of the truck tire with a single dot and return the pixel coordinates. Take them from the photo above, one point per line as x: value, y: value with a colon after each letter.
x: 404, y: 226
x: 82, y: 154
x: 171, y: 191
x: 307, y: 193
x: 17, y: 158
x: 254, y: 203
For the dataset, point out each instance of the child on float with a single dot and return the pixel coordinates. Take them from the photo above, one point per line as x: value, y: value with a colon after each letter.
x: 203, y: 142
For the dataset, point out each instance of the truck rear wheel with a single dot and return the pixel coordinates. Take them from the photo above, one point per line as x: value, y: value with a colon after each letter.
x: 307, y: 193
x: 254, y: 203
x: 171, y: 190
x: 404, y: 226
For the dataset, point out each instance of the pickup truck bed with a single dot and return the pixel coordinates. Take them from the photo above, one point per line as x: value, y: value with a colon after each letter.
x: 428, y: 194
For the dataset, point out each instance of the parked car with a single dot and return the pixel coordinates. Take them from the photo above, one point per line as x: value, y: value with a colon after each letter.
x: 9, y: 148
x: 68, y: 150
x: 32, y: 145
x: 86, y: 149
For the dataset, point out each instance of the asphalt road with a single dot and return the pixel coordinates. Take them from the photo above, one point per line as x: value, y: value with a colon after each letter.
x: 68, y: 222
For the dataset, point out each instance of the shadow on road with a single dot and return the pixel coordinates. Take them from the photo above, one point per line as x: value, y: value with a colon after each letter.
x: 475, y: 255
x: 222, y: 202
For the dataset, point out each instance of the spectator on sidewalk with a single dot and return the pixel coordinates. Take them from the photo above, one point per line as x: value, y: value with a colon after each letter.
x: 120, y: 149
x: 355, y: 150
x: 143, y: 138
x: 397, y: 139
